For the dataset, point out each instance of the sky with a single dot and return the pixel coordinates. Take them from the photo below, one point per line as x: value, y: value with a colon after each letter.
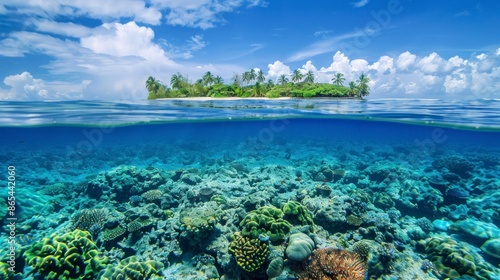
x: 106, y: 49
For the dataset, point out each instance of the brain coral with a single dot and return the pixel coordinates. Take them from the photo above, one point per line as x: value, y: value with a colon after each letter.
x: 71, y: 256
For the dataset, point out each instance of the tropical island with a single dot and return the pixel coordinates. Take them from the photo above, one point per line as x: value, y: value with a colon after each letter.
x: 254, y: 84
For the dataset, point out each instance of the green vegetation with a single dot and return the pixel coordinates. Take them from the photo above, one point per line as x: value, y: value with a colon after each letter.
x: 253, y: 84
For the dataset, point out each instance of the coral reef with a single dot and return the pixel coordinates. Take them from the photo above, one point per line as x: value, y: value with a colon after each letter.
x: 133, y: 269
x: 90, y: 219
x: 70, y: 256
x: 336, y: 264
x: 456, y: 259
x: 300, y: 247
x: 250, y: 253
x: 294, y: 211
x: 266, y: 220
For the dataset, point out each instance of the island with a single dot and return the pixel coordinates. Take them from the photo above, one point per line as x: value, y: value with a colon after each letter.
x: 254, y: 84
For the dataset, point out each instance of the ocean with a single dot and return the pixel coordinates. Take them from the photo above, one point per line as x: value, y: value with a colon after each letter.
x: 250, y: 189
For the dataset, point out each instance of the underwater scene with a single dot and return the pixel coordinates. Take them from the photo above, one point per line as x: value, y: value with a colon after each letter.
x: 250, y: 189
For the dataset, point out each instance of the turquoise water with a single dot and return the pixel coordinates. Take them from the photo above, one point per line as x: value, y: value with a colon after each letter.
x: 411, y: 186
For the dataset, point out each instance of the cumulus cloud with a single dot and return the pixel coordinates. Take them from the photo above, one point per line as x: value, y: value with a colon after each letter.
x: 410, y: 75
x: 25, y: 87
x: 277, y: 69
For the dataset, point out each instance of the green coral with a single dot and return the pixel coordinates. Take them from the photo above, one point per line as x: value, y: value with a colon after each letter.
x: 197, y: 222
x: 455, y: 259
x: 112, y: 233
x: 266, y: 220
x: 138, y: 224
x: 152, y: 195
x: 250, y: 253
x: 297, y: 211
x: 89, y: 219
x: 133, y: 269
x: 71, y: 256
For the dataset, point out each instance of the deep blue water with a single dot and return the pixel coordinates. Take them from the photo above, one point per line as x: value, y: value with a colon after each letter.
x: 69, y: 142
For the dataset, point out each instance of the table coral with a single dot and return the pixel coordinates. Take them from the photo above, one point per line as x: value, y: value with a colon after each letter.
x: 250, y: 253
x: 70, y: 256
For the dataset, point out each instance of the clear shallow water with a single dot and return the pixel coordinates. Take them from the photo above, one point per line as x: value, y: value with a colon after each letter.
x: 405, y: 163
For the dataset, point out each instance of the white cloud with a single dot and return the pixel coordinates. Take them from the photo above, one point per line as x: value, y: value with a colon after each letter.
x: 277, y: 69
x: 61, y: 28
x: 128, y: 39
x: 407, y: 74
x: 25, y: 87
x: 200, y: 13
x: 96, y: 9
x: 323, y: 46
x: 481, y: 56
x: 360, y: 3
x: 405, y: 60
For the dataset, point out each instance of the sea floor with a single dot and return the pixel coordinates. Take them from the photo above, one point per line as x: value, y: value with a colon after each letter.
x: 173, y: 210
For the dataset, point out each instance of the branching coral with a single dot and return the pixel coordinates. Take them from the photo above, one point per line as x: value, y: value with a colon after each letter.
x: 335, y: 264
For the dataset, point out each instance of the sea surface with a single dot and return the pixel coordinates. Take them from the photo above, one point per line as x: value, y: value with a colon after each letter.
x: 186, y: 189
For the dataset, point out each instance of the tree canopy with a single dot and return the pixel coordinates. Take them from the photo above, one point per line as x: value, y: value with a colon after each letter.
x: 253, y: 83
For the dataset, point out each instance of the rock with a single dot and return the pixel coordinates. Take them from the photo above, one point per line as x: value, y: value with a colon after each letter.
x: 492, y: 248
x: 476, y: 230
x: 275, y: 268
x: 300, y: 247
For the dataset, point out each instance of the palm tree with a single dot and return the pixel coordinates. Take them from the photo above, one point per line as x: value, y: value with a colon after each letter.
x: 283, y: 80
x: 297, y: 76
x: 338, y: 79
x: 152, y: 85
x: 252, y: 75
x: 353, y: 89
x: 246, y: 77
x: 218, y: 80
x: 309, y: 78
x: 364, y: 89
x: 177, y: 81
x: 260, y: 76
x: 269, y: 84
x: 208, y: 79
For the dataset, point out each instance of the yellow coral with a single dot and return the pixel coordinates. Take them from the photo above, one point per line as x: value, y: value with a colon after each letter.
x: 250, y: 253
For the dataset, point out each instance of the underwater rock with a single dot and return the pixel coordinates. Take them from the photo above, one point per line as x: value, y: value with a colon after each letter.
x: 492, y: 248
x: 275, y: 267
x: 477, y: 231
x: 456, y: 165
x: 300, y: 247
x: 196, y: 223
x: 441, y: 225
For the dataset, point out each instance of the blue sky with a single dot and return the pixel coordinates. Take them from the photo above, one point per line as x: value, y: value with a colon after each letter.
x: 98, y: 49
